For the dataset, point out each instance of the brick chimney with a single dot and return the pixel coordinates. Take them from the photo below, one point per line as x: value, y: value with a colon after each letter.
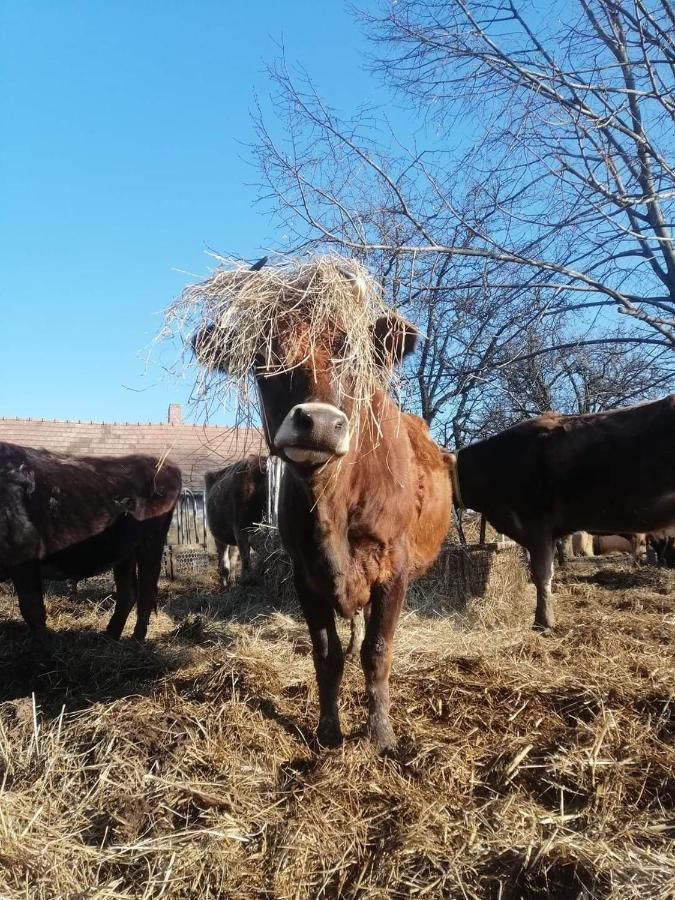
x: 174, y: 414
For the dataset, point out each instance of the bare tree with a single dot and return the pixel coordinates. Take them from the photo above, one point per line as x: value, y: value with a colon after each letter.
x: 578, y: 133
x: 519, y: 243
x: 574, y: 379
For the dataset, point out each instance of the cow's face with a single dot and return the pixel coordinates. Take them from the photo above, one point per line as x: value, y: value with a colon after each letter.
x: 307, y: 407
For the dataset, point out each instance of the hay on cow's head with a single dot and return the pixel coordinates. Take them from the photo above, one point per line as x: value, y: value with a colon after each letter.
x: 239, y: 314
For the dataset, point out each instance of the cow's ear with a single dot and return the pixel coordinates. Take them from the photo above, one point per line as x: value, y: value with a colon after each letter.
x: 205, y: 346
x: 394, y: 338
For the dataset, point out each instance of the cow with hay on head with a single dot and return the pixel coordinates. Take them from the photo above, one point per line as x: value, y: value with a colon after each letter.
x: 365, y: 499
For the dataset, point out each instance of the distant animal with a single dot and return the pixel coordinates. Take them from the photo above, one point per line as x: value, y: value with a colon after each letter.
x: 236, y: 498
x: 661, y: 546
x: 69, y: 517
x: 582, y: 544
x: 635, y: 544
x: 362, y: 509
x: 563, y: 549
x: 572, y: 545
x: 610, y: 472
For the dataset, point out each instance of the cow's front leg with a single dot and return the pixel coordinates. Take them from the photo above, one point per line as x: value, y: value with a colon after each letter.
x: 27, y: 579
x: 126, y: 595
x: 376, y: 656
x: 328, y: 658
x: 541, y: 565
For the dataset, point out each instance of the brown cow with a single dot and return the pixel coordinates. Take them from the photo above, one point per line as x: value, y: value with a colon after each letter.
x: 553, y: 475
x: 360, y: 512
x: 610, y: 543
x: 236, y: 498
x: 69, y: 517
x: 635, y: 544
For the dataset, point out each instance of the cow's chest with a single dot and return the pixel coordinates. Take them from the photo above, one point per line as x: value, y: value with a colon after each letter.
x: 354, y: 559
x: 342, y: 550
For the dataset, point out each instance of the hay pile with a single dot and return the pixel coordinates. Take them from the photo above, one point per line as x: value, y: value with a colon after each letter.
x: 472, y: 579
x: 326, y: 303
x: 527, y: 768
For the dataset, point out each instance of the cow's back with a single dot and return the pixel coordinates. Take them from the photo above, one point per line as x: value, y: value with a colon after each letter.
x: 51, y: 501
x: 613, y: 465
x: 612, y: 471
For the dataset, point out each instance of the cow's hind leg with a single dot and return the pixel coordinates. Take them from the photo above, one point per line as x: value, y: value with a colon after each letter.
x: 27, y: 579
x: 541, y: 564
x: 328, y: 659
x: 376, y: 656
x: 222, y: 557
x: 358, y: 630
x: 126, y: 596
x: 149, y: 557
x: 148, y: 576
x: 244, y: 545
x: 232, y: 555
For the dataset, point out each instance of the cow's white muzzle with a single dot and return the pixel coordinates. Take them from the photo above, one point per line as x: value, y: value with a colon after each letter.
x: 313, y: 433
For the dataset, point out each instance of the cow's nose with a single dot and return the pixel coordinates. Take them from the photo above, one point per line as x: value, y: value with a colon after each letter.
x: 322, y: 418
x: 302, y: 419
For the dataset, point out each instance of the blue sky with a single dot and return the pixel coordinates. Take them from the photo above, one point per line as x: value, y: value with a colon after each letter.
x: 123, y: 158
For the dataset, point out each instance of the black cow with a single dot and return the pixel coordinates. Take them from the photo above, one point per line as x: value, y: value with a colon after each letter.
x: 236, y: 498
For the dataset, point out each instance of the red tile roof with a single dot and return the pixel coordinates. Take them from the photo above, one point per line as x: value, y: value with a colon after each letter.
x: 195, y: 448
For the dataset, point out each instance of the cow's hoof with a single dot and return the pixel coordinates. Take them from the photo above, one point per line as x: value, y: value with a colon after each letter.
x: 329, y: 733
x: 382, y: 735
x: 114, y: 632
x: 543, y: 628
x: 139, y: 636
x: 43, y: 644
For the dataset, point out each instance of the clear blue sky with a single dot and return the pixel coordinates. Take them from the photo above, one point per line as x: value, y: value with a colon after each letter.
x: 122, y: 158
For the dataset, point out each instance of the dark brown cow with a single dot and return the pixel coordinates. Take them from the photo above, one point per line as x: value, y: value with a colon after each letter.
x: 661, y: 545
x: 236, y: 498
x: 551, y: 476
x: 68, y: 517
x: 360, y: 514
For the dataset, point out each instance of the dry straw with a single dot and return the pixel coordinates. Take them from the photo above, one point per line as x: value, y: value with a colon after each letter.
x: 185, y: 768
x: 325, y: 302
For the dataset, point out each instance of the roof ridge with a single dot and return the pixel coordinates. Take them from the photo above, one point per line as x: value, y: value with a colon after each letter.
x: 127, y: 424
